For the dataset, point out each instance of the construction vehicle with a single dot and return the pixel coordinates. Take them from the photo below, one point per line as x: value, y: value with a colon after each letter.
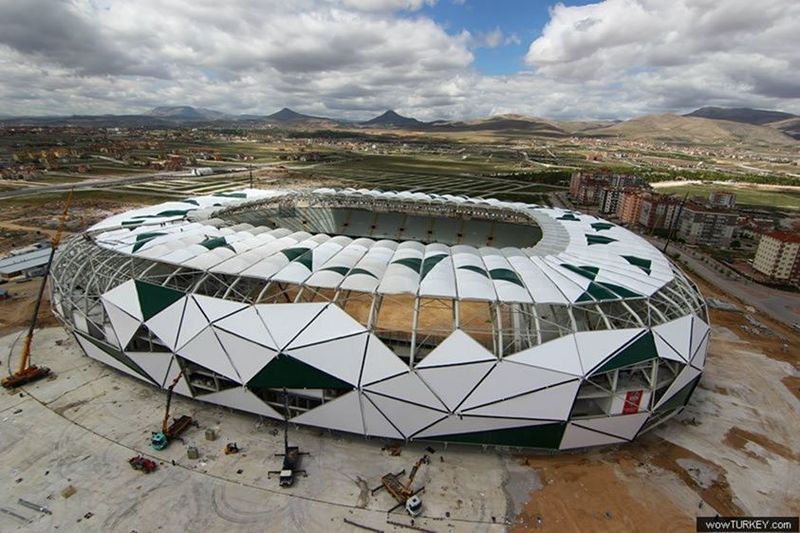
x: 142, y: 463
x: 231, y: 448
x: 27, y: 373
x: 161, y: 439
x: 402, y: 492
x: 291, y: 454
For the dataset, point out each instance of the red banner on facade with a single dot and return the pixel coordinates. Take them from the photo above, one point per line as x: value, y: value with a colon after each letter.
x: 632, y: 400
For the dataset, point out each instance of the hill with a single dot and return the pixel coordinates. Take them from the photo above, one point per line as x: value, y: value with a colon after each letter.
x: 690, y: 130
x: 392, y: 119
x: 507, y: 123
x: 789, y: 126
x: 185, y: 112
x: 746, y: 115
x: 289, y: 115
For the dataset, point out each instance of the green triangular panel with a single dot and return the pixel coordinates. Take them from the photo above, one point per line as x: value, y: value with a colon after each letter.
x: 588, y: 272
x: 154, y: 298
x: 600, y: 226
x: 339, y: 270
x: 641, y: 349
x: 505, y: 274
x: 216, y: 242
x: 119, y: 356
x: 144, y: 238
x: 644, y: 264
x: 285, y: 371
x: 598, y: 239
x: 362, y: 271
x: 131, y: 223
x: 231, y: 194
x: 430, y: 262
x: 476, y: 269
x: 411, y: 262
x: 190, y: 201
x: 568, y: 216
x: 302, y: 255
x: 546, y: 436
x: 167, y: 213
x: 681, y: 398
x: 596, y: 292
x: 619, y: 290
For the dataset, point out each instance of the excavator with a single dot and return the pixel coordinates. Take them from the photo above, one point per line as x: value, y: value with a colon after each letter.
x: 27, y: 373
x: 402, y: 492
x: 161, y: 439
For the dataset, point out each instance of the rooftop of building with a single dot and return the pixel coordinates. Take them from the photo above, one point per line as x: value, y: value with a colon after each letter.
x: 784, y: 236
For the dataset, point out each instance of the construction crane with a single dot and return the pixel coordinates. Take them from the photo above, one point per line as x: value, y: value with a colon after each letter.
x: 26, y: 373
x: 161, y: 439
x: 402, y: 492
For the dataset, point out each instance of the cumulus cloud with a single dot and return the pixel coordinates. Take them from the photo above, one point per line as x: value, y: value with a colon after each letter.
x: 353, y: 58
x: 701, y: 48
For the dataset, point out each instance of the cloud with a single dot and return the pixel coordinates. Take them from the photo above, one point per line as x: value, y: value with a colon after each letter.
x: 494, y: 38
x: 354, y: 58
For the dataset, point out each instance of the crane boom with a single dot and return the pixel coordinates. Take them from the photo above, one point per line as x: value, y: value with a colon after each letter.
x: 165, y: 424
x: 26, y: 372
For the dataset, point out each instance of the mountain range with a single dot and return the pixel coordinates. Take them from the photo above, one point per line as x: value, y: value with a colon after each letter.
x: 707, y: 125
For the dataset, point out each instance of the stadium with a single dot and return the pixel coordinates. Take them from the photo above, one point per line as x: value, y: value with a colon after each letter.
x: 392, y: 315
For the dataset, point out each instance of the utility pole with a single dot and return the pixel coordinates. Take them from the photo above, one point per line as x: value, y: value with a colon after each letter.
x: 251, y: 175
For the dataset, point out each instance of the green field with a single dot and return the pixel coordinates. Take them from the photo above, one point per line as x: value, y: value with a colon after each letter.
x: 754, y: 197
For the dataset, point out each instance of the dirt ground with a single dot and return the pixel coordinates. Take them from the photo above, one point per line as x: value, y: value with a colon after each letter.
x: 733, y: 451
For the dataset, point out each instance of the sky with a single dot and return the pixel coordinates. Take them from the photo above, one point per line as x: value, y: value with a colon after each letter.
x: 431, y: 59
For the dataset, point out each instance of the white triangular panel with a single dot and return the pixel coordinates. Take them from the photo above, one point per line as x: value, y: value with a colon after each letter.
x: 375, y: 424
x: 684, y: 378
x: 457, y: 348
x: 341, y: 358
x: 111, y: 335
x: 699, y: 358
x: 454, y: 425
x: 699, y: 331
x: 408, y: 387
x: 156, y: 364
x: 577, y: 437
x: 166, y: 324
x: 665, y: 351
x: 205, y: 350
x: 248, y: 324
x: 343, y: 414
x: 408, y: 418
x: 124, y: 325
x: 181, y: 387
x: 559, y: 354
x: 248, y: 358
x: 96, y: 353
x: 509, y: 379
x: 623, y: 426
x: 677, y: 334
x: 126, y: 298
x: 284, y: 321
x: 596, y: 346
x: 452, y: 383
x: 216, y: 308
x: 380, y: 362
x: 194, y: 321
x: 242, y: 399
x: 553, y: 403
x: 332, y: 323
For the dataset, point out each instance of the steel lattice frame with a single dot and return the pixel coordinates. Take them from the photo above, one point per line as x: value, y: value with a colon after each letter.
x: 654, y: 343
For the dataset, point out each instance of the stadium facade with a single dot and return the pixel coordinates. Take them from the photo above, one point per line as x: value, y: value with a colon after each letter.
x: 393, y: 315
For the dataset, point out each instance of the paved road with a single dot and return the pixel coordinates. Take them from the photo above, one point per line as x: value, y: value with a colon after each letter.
x: 781, y: 305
